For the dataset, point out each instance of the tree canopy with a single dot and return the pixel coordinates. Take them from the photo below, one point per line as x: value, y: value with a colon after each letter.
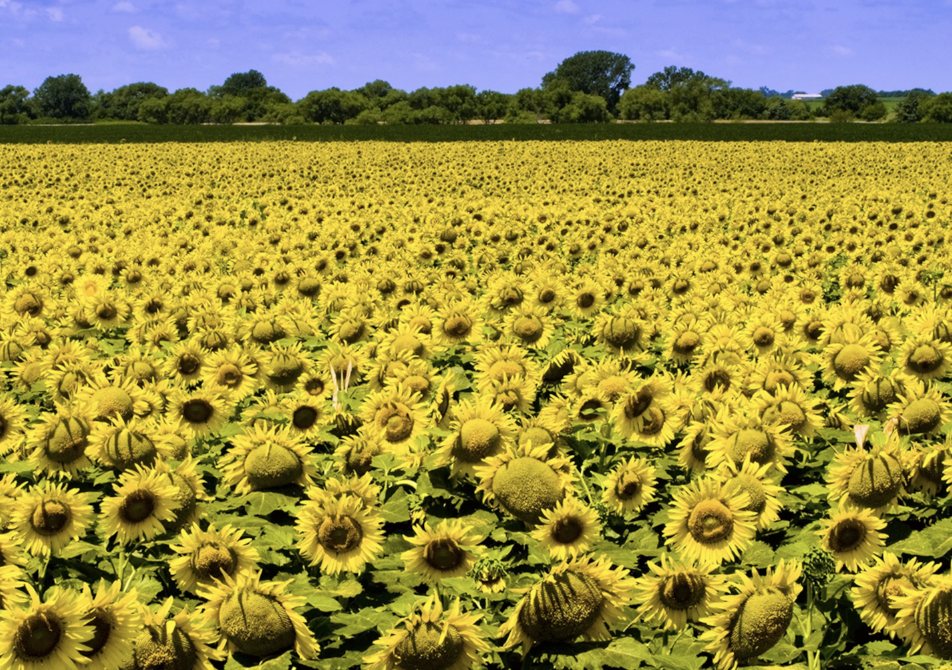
x: 602, y: 73
x: 63, y: 97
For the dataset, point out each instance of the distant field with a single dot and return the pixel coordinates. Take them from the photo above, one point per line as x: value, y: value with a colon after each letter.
x: 708, y: 132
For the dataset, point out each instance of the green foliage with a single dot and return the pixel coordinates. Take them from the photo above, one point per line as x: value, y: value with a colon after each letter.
x: 854, y: 99
x: 602, y: 73
x: 62, y: 97
x: 909, y: 109
x: 938, y: 109
x: 14, y: 105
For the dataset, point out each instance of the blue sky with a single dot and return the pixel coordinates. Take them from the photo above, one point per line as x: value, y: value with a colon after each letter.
x: 495, y: 44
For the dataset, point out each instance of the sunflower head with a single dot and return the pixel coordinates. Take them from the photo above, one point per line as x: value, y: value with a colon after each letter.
x: 875, y: 481
x: 524, y: 484
x: 256, y: 623
x: 563, y: 608
x: 760, y: 623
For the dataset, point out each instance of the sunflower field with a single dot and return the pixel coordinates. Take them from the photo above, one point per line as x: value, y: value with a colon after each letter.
x: 475, y: 405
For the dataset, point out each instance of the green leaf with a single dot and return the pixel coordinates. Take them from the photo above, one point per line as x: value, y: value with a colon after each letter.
x: 397, y: 509
x: 74, y: 549
x: 933, y: 542
x: 17, y: 467
x: 324, y: 603
x: 262, y: 503
x: 758, y: 555
x: 347, y: 588
x: 358, y: 622
x: 241, y: 661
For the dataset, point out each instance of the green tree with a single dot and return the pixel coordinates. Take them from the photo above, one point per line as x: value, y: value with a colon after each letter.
x: 690, y: 94
x: 738, y: 103
x: 123, y: 102
x: 673, y: 77
x: 910, y: 108
x: 381, y: 94
x: 14, y: 105
x: 583, y: 108
x: 601, y: 73
x: 643, y: 103
x: 491, y: 105
x: 228, y: 109
x: 188, y: 106
x: 62, y: 97
x: 459, y: 101
x: 938, y: 109
x: 154, y: 111
x: 239, y: 84
x: 332, y: 106
x: 853, y: 99
x: 526, y: 101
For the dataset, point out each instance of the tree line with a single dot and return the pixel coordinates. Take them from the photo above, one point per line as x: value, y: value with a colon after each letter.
x: 589, y: 87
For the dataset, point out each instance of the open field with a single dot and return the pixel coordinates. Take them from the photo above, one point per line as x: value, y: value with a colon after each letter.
x: 561, y: 405
x: 709, y: 132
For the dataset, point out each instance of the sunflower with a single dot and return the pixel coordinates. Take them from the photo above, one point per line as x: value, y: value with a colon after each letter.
x: 496, y: 364
x: 11, y: 585
x: 431, y: 638
x: 258, y: 618
x: 716, y: 379
x: 355, y: 453
x: 844, y: 361
x: 441, y: 400
x: 50, y: 516
x: 710, y: 521
x: 874, y: 390
x: 622, y: 332
x: 202, y: 413
x: 207, y: 555
x: 866, y: 479
x: 406, y: 338
x: 67, y: 381
x: 584, y: 597
x: 925, y: 358
x: 307, y: 414
x: 524, y: 481
x: 751, y: 622
x: 282, y: 366
x: 923, y: 617
x: 341, y: 536
x: 189, y: 490
x: 561, y: 366
x: 441, y: 553
x: 122, y: 445
x: 756, y: 482
x: 779, y: 369
x: 340, y: 360
x: 350, y: 326
x: 683, y: 340
x: 361, y: 487
x: 116, y: 620
x: 761, y: 333
x: 922, y: 410
x: 50, y: 633
x: 513, y: 395
x: 877, y: 586
x: 458, y: 323
x: 852, y: 536
x: 629, y: 487
x: 60, y: 441
x: 738, y: 435
x: 527, y: 326
x: 183, y: 642
x: 107, y: 401
x: 267, y: 457
x: 143, y: 501
x: 788, y: 406
x: 187, y: 364
x: 585, y: 299
x: 397, y: 414
x: 676, y: 592
x: 568, y: 529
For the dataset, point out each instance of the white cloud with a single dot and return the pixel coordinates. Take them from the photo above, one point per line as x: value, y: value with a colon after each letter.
x: 296, y: 59
x: 840, y: 50
x: 213, y: 42
x: 125, y: 7
x: 593, y: 19
x: 566, y: 7
x: 674, y: 56
x: 146, y: 40
x: 55, y: 13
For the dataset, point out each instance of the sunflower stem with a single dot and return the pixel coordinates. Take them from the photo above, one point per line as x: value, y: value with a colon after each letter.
x: 588, y: 493
x: 675, y: 642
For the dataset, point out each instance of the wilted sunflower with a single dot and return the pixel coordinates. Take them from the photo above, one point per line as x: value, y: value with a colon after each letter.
x: 431, y: 639
x: 116, y: 620
x: 524, y: 481
x: 282, y: 366
x: 456, y: 323
x: 738, y: 435
x: 629, y: 487
x: 59, y: 443
x: 750, y: 623
x: 926, y: 465
x: 49, y: 633
x: 568, y: 529
x: 50, y: 516
x: 144, y: 500
x: 677, y: 592
x: 122, y: 445
x: 877, y: 587
x: 12, y: 425
x: 874, y: 391
x: 756, y: 481
x: 710, y: 522
x: 922, y: 409
x: 584, y: 597
x: 183, y: 642
x: 852, y: 536
x: 923, y: 618
x: 207, y: 555
x: 866, y: 479
x: 267, y: 457
x: 441, y: 553
x: 202, y: 413
x: 258, y: 618
x: 341, y: 536
x: 788, y: 406
x: 622, y: 332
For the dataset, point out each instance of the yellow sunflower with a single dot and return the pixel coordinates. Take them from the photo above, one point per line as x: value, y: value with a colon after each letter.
x: 710, y: 522
x: 447, y: 551
x: 397, y: 414
x: 524, y: 481
x: 50, y: 516
x: 568, y: 529
x: 341, y: 536
x: 144, y: 500
x: 258, y: 618
x: 756, y: 481
x: 12, y: 425
x: 675, y: 592
x: 202, y: 413
x: 207, y: 555
x: 480, y: 430
x: 852, y: 536
x: 183, y: 642
x: 431, y: 637
x: 361, y: 487
x: 922, y: 618
x: 874, y: 390
x: 866, y: 479
x: 51, y: 633
x: 122, y: 445
x: 921, y: 409
x: 622, y: 332
x: 845, y: 361
x: 186, y: 364
x: 116, y: 620
x: 527, y: 326
x: 878, y: 585
x: 788, y: 406
x: 751, y: 622
x: 584, y: 597
x: 267, y: 457
x: 630, y: 486
x: 738, y: 435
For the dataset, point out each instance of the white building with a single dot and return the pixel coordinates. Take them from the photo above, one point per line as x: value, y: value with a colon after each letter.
x: 807, y: 96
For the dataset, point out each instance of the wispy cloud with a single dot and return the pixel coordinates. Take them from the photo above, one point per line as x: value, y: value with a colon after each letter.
x: 145, y: 39
x: 566, y: 7
x: 297, y: 59
x: 593, y: 19
x: 840, y: 50
x: 673, y: 55
x: 55, y: 14
x: 124, y: 7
